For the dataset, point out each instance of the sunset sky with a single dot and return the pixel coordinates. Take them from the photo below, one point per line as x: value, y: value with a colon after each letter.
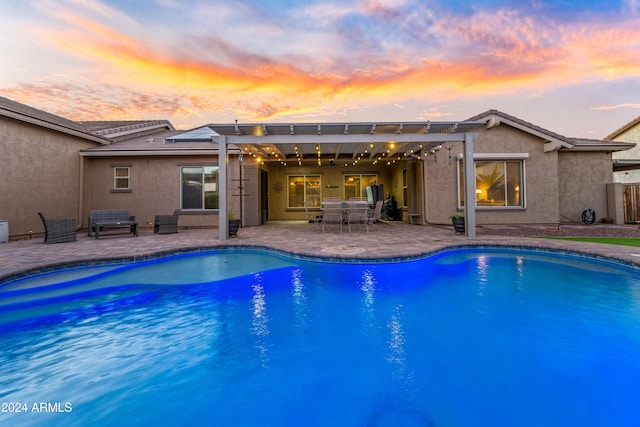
x: 570, y: 66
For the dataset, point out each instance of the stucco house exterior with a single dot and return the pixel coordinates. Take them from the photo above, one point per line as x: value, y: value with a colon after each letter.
x: 520, y: 173
x: 626, y: 170
x: 40, y: 164
x: 626, y: 163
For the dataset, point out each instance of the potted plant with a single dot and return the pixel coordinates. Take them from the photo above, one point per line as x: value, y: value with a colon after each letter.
x: 234, y: 224
x: 458, y: 223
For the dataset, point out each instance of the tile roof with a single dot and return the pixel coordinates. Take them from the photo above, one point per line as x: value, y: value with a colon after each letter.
x: 101, y: 125
x: 567, y: 143
x: 542, y: 130
x: 26, y: 113
x: 102, y: 131
x: 158, y: 143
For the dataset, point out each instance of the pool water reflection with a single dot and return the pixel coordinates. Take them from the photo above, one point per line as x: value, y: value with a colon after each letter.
x: 464, y: 338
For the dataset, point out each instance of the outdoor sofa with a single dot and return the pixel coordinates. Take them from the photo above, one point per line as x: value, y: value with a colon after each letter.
x: 102, y: 219
x: 58, y: 230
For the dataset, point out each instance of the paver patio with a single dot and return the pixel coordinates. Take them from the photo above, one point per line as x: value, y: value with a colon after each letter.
x: 384, y: 240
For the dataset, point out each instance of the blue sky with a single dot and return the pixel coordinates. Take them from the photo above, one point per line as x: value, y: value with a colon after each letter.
x: 569, y: 66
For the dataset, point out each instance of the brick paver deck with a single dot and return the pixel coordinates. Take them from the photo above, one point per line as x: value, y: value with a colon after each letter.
x: 384, y: 240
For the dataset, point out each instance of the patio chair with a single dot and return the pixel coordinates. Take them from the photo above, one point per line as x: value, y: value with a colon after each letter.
x: 316, y: 220
x: 332, y: 215
x: 376, y: 213
x: 166, y: 224
x: 358, y: 214
x: 58, y: 230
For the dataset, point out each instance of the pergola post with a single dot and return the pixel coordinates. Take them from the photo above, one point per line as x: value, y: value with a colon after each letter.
x: 223, y: 163
x: 469, y: 185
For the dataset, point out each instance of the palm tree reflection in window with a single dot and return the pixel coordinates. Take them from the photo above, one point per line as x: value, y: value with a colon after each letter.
x: 490, y: 185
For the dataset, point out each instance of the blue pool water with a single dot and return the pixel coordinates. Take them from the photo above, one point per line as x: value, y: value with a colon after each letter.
x: 249, y: 338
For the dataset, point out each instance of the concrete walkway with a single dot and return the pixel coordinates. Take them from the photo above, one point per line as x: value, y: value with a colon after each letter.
x: 384, y: 241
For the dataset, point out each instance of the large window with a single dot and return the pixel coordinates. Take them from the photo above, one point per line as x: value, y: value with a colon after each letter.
x: 499, y: 183
x: 200, y: 187
x: 303, y: 188
x: 354, y: 185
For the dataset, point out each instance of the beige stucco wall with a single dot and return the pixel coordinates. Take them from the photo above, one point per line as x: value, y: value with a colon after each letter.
x: 541, y: 179
x: 155, y: 187
x: 583, y: 183
x: 629, y: 135
x: 41, y: 172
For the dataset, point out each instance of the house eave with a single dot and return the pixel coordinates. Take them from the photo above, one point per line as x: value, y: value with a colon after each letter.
x: 53, y: 126
x: 621, y: 165
x: 602, y: 146
x: 551, y: 143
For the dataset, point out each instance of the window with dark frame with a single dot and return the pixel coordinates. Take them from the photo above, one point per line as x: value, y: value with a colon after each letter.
x: 200, y: 189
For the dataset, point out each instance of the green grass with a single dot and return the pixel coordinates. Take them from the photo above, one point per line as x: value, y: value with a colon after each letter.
x: 627, y: 241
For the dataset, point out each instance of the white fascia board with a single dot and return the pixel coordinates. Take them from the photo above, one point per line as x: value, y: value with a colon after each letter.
x: 498, y: 156
x: 601, y: 147
x: 345, y: 139
x: 124, y: 153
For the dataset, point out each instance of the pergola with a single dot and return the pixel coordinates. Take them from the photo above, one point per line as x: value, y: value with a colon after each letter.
x: 329, y: 143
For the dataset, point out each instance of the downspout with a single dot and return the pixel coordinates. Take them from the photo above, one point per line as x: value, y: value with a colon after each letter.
x: 80, y: 191
x: 223, y: 162
x: 469, y: 186
x: 241, y: 187
x: 425, y: 193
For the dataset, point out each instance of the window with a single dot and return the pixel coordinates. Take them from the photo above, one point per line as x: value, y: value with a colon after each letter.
x: 354, y: 185
x: 499, y: 183
x: 303, y: 188
x: 121, y: 179
x: 200, y: 187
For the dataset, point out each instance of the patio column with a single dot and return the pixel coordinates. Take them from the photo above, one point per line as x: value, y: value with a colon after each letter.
x: 469, y: 186
x: 223, y: 162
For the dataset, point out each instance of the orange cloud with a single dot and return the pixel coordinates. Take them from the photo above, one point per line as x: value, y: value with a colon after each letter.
x: 493, y: 53
x: 615, y: 107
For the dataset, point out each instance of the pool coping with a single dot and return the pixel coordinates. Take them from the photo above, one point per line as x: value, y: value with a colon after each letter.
x: 308, y: 256
x: 386, y: 242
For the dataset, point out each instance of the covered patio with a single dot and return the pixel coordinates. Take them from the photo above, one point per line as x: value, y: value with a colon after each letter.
x: 341, y: 144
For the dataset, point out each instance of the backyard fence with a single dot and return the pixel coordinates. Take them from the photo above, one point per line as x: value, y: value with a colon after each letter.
x: 631, y: 202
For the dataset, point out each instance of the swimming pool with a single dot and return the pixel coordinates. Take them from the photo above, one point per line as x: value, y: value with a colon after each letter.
x: 469, y: 337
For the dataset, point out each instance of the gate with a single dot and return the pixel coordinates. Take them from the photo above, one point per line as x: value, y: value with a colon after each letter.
x: 631, y: 203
